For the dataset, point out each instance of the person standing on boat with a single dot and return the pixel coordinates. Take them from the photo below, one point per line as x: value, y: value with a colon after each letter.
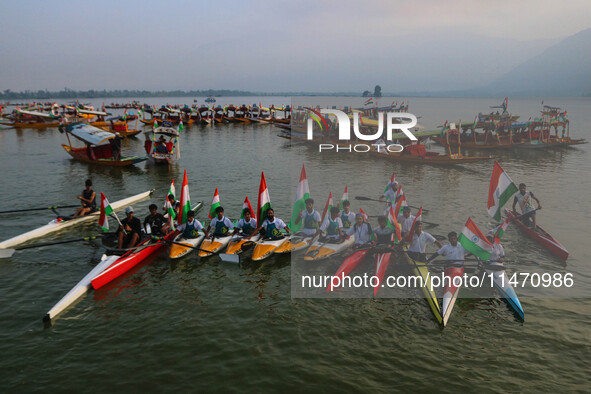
x: 247, y: 224
x: 347, y: 217
x: 361, y: 230
x: 191, y: 228
x: 418, y: 244
x: 221, y: 225
x: 311, y: 219
x: 523, y: 198
x: 88, y: 198
x: 453, y: 252
x: 116, y: 147
x: 272, y: 226
x: 333, y: 226
x: 155, y: 221
x: 130, y: 229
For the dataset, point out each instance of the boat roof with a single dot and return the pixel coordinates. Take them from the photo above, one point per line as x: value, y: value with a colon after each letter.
x: 36, y: 113
x: 92, y: 112
x: 166, y: 131
x: 89, y: 134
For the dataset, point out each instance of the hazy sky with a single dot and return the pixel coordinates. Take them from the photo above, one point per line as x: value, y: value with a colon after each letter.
x: 275, y: 45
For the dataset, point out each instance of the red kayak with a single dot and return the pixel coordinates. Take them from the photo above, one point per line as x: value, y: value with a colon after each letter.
x: 130, y: 260
x: 348, y: 265
x: 540, y: 236
x: 382, y: 261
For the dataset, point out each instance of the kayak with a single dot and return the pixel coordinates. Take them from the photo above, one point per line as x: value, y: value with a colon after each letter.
x: 298, y: 243
x: 177, y: 251
x: 382, y: 261
x: 267, y: 246
x: 214, y: 245
x: 420, y: 269
x: 348, y: 265
x: 323, y: 250
x: 540, y: 236
x: 501, y: 283
x: 59, y: 223
x: 238, y: 241
x: 80, y: 289
x: 450, y: 294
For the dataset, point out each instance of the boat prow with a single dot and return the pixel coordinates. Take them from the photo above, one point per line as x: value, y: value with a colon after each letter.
x: 541, y: 236
x: 214, y: 245
x: 177, y: 251
x: 267, y: 247
x: 450, y: 294
x: 323, y: 250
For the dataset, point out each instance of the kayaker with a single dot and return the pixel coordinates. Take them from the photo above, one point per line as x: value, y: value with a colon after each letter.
x: 361, y: 230
x: 498, y: 253
x: 418, y: 245
x: 453, y: 252
x: 88, y: 198
x: 133, y: 228
x: 390, y: 195
x: 405, y: 219
x: 174, y: 204
x: 333, y: 226
x: 311, y: 219
x: 155, y: 221
x: 247, y: 225
x: 347, y: 217
x: 383, y: 233
x: 190, y: 229
x: 221, y: 224
x: 272, y: 226
x: 523, y: 198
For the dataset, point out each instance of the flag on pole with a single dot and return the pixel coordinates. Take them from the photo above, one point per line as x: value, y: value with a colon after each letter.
x: 327, y: 207
x: 185, y: 201
x: 500, y: 190
x: 215, y: 202
x: 394, y: 225
x: 401, y: 201
x: 500, y: 230
x: 246, y: 204
x: 474, y: 241
x: 302, y: 193
x: 345, y: 197
x: 443, y: 129
x: 412, y: 228
x: 264, y: 202
x: 365, y: 217
x: 106, y: 210
x: 390, y: 182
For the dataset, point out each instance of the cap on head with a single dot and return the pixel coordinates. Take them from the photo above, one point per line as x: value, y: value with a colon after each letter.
x: 129, y: 209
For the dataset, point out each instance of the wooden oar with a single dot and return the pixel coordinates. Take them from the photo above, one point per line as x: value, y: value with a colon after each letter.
x: 6, y: 253
x: 361, y: 198
x: 230, y: 258
x: 39, y: 209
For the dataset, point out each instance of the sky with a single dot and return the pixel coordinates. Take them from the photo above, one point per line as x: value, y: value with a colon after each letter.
x: 275, y: 46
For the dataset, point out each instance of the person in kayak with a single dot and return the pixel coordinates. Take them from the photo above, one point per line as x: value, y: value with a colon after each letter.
x: 498, y: 253
x: 311, y: 219
x: 383, y: 233
x: 418, y: 244
x: 362, y: 232
x: 221, y: 224
x: 523, y: 198
x: 390, y: 194
x: 333, y: 226
x: 272, y: 226
x: 406, y: 219
x: 247, y: 225
x: 190, y: 229
x: 174, y: 204
x: 88, y: 198
x: 453, y: 252
x: 347, y: 217
x: 130, y: 229
x: 155, y: 221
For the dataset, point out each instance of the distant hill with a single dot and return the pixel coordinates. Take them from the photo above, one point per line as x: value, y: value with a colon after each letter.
x: 563, y: 69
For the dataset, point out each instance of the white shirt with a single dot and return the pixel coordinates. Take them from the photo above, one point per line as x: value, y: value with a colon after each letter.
x: 419, y: 242
x: 242, y: 222
x: 452, y: 252
x: 197, y: 223
x: 279, y: 224
x: 315, y: 215
x: 328, y: 221
x: 227, y: 222
x: 497, y: 252
x: 525, y: 201
x: 405, y: 223
x: 350, y: 216
x: 361, y: 233
x: 390, y: 195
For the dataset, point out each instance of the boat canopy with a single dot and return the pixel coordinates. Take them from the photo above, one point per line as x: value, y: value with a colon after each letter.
x: 89, y: 134
x: 36, y: 113
x: 91, y: 112
x: 169, y: 131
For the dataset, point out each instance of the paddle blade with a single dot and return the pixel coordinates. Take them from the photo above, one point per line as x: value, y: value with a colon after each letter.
x: 6, y: 253
x: 230, y: 258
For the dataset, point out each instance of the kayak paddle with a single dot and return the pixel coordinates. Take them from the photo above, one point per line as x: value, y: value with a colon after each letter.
x: 6, y: 253
x: 39, y: 209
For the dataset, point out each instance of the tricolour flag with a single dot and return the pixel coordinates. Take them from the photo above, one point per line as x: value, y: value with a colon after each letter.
x: 401, y: 201
x: 181, y: 127
x: 215, y: 202
x: 106, y: 210
x: 369, y: 101
x: 475, y: 122
x: 327, y: 207
x: 394, y: 225
x: 264, y: 202
x: 246, y: 204
x: 411, y: 232
x: 500, y: 230
x: 390, y: 182
x: 365, y: 217
x: 302, y: 193
x: 501, y: 189
x: 185, y: 201
x: 345, y: 197
x: 443, y: 129
x: 474, y: 241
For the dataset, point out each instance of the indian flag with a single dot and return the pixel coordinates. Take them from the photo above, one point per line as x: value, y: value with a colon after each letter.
x: 106, y: 210
x: 474, y: 241
x: 215, y: 202
x: 390, y: 182
x: 401, y: 201
x: 500, y: 230
x: 327, y: 207
x: 414, y: 223
x: 264, y: 202
x: 394, y: 225
x: 185, y: 201
x: 140, y: 114
x: 181, y: 127
x: 302, y: 193
x: 501, y: 189
x: 475, y: 122
x: 246, y: 204
x: 345, y: 197
x: 443, y: 129
x: 368, y: 101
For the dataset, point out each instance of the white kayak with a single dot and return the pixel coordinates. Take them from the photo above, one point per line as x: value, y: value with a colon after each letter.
x: 238, y: 242
x: 59, y: 224
x: 299, y: 242
x: 266, y: 247
x: 322, y: 250
x: 501, y: 283
x: 209, y: 246
x: 80, y: 289
x: 177, y: 251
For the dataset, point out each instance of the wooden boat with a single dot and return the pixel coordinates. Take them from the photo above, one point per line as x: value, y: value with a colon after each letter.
x: 540, y: 236
x: 158, y: 149
x: 32, y: 119
x: 98, y: 149
x: 118, y: 125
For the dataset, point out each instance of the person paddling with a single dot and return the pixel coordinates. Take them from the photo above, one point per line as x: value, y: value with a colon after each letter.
x: 247, y: 225
x: 347, y: 217
x: 383, y: 233
x: 88, y: 198
x: 454, y: 252
x: 418, y: 244
x: 221, y: 225
x: 272, y: 226
x: 361, y: 230
x: 333, y: 226
x: 190, y: 229
x: 406, y: 219
x: 390, y: 194
x: 311, y: 219
x: 129, y: 231
x: 155, y: 221
x: 523, y: 198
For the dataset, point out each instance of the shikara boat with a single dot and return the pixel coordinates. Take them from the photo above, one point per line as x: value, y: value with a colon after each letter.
x: 158, y: 149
